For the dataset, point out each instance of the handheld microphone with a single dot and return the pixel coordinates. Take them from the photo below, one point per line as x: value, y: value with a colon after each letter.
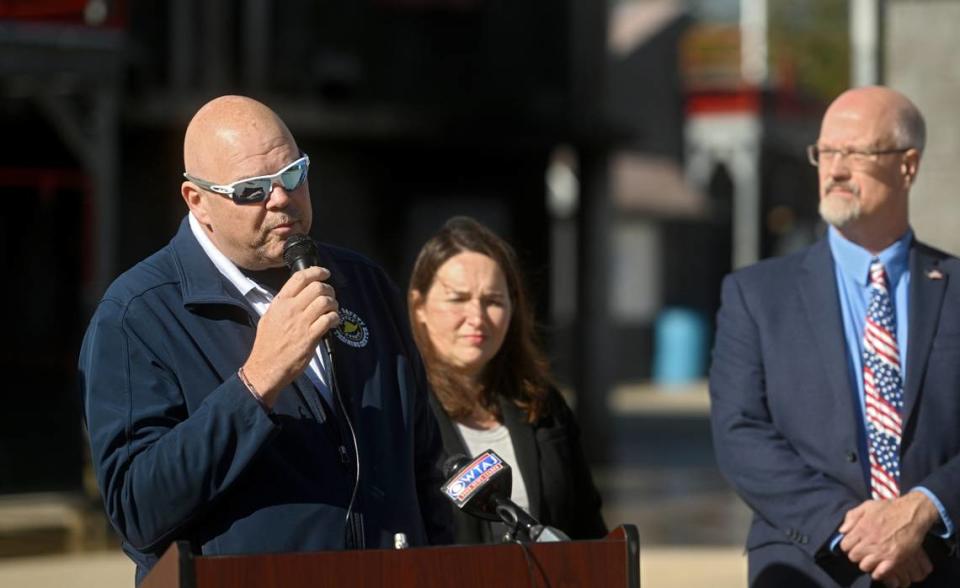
x: 481, y: 488
x: 299, y: 253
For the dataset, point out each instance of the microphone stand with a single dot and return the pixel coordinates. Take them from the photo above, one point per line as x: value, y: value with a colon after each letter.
x: 521, y: 527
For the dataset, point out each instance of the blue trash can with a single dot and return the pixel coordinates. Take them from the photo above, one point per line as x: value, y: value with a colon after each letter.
x: 679, y: 347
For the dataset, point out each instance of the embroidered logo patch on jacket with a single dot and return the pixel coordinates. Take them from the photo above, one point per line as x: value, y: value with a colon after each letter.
x: 352, y: 330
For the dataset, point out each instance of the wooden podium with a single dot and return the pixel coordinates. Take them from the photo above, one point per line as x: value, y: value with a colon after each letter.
x: 612, y: 561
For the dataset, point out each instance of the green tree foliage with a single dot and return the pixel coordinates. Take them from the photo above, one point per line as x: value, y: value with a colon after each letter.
x: 809, y: 46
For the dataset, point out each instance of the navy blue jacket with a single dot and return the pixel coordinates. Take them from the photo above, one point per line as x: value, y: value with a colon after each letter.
x: 784, y: 415
x: 183, y: 451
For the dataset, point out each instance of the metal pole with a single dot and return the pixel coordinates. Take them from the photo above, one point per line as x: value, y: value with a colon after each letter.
x: 864, y: 42
x: 753, y: 41
x: 256, y: 46
x: 593, y: 375
x: 183, y: 53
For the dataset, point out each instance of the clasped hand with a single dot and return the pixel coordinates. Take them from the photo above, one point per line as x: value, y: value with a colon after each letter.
x: 885, y: 538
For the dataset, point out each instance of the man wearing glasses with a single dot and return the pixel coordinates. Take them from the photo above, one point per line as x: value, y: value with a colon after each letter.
x: 214, y: 412
x: 835, y: 383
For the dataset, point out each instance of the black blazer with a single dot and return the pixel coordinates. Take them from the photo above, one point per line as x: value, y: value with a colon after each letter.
x: 552, y: 465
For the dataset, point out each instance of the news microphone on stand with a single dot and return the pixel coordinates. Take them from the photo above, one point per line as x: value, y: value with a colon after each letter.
x: 481, y: 487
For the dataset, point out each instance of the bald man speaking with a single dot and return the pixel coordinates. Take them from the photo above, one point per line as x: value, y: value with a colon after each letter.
x: 216, y: 414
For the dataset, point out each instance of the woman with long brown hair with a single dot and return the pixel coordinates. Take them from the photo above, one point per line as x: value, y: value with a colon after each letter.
x: 491, y: 382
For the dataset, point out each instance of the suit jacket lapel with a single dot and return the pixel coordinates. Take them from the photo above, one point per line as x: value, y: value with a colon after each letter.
x: 341, y: 288
x: 821, y: 301
x: 474, y: 529
x: 452, y: 442
x: 310, y: 396
x: 926, y: 299
x: 525, y: 446
x: 345, y: 377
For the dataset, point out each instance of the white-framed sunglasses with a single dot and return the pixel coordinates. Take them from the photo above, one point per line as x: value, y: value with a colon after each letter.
x: 257, y: 189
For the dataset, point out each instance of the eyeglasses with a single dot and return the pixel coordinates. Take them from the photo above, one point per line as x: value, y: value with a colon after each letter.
x: 257, y: 189
x: 855, y: 157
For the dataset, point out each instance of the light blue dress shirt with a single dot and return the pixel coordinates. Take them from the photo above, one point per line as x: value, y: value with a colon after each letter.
x: 852, y: 270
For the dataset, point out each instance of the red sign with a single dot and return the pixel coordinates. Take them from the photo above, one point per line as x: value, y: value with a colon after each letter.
x: 110, y: 13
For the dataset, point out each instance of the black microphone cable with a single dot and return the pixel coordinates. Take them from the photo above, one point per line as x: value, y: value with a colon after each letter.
x: 300, y: 252
x: 353, y: 434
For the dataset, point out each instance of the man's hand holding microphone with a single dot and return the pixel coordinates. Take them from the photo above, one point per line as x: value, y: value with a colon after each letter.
x: 300, y: 315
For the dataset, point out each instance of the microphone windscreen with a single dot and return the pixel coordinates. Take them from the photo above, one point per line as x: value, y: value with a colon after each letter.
x: 474, y: 483
x: 300, y: 252
x: 454, y: 463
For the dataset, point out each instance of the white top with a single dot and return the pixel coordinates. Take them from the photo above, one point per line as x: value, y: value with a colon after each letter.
x: 260, y: 299
x: 497, y: 439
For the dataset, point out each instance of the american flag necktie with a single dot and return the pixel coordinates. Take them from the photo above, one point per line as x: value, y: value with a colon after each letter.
x: 883, y: 392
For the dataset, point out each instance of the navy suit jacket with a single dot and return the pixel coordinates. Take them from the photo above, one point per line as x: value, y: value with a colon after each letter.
x: 784, y: 415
